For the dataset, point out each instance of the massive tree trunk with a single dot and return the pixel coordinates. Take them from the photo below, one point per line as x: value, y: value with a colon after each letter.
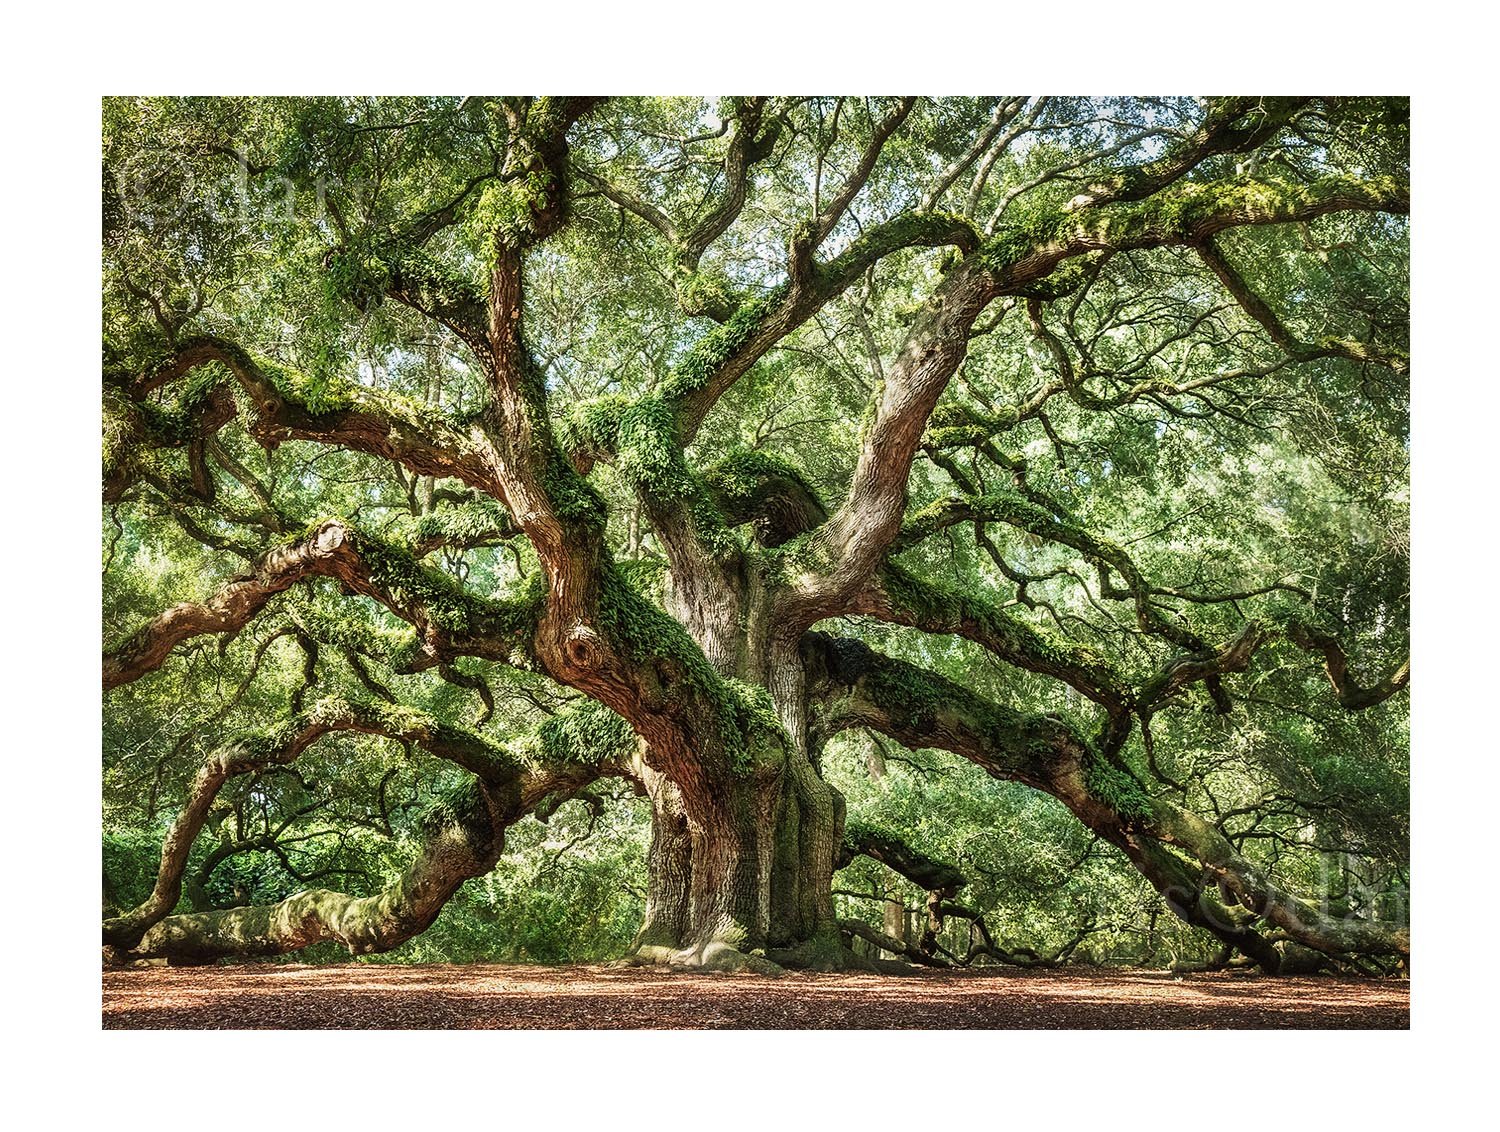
x: 747, y: 872
x: 741, y: 868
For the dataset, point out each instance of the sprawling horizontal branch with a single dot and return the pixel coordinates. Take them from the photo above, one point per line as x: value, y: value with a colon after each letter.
x: 1184, y: 214
x: 854, y: 686
x: 135, y: 427
x: 448, y: 620
x: 451, y: 855
x: 1231, y: 125
x: 227, y: 611
x: 1187, y: 889
x: 293, y: 406
x: 1305, y: 923
x: 938, y: 879
x: 903, y: 599
x: 280, y: 746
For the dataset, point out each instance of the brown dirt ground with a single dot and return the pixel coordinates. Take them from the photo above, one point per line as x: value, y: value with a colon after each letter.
x: 370, y: 996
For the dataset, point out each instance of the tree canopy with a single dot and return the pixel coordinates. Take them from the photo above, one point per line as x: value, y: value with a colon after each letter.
x: 757, y: 531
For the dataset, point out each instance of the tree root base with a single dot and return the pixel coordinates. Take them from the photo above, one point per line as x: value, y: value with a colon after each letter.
x: 714, y: 956
x: 720, y: 957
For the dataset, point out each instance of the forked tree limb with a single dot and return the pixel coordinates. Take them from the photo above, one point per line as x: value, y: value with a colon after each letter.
x: 1351, y: 694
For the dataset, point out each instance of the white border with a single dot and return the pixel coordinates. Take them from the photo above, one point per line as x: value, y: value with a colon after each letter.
x: 63, y: 61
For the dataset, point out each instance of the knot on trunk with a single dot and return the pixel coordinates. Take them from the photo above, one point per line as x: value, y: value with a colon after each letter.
x: 582, y: 648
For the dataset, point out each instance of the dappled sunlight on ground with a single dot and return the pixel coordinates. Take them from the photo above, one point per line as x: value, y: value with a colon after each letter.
x: 370, y: 996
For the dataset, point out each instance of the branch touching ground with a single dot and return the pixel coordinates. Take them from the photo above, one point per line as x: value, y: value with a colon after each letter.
x: 858, y: 687
x: 463, y: 832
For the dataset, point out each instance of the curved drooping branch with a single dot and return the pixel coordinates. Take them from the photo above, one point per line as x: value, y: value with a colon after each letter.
x: 1351, y: 694
x: 1258, y: 309
x: 227, y: 611
x: 464, y: 841
x: 864, y: 840
x: 1257, y: 893
x: 907, y: 951
x: 449, y: 621
x: 464, y: 832
x: 294, y: 406
x: 854, y: 686
x: 281, y: 746
x: 851, y: 685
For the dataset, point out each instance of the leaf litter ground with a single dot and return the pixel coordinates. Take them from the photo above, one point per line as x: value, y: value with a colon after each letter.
x: 492, y: 996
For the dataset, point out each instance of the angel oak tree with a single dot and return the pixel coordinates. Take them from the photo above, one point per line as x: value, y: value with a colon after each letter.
x: 600, y: 296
